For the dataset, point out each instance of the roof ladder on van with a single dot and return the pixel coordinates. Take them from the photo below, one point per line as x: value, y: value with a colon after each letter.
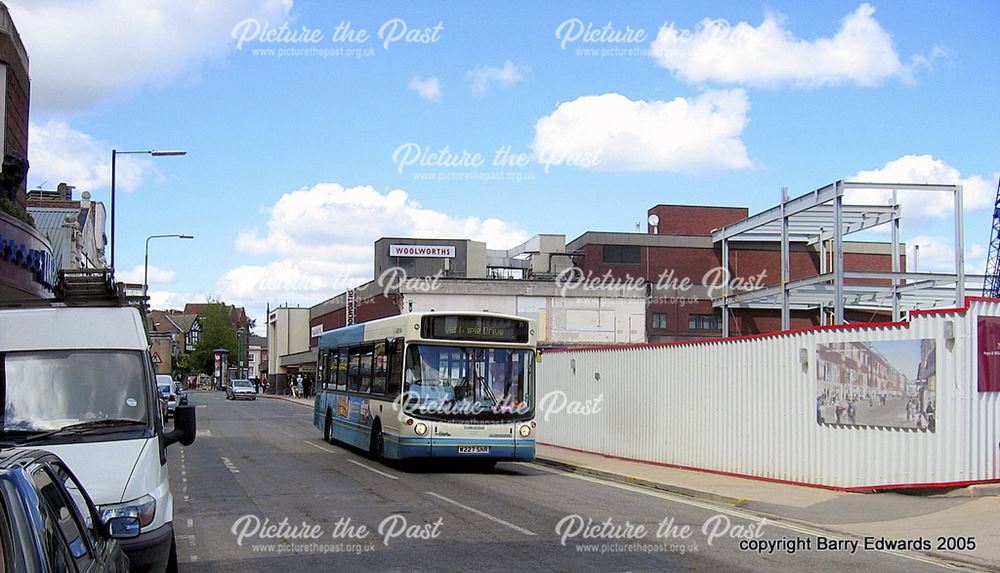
x: 88, y: 285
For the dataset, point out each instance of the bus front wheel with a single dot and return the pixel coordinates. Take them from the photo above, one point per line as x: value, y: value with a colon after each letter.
x: 328, y: 428
x: 377, y: 447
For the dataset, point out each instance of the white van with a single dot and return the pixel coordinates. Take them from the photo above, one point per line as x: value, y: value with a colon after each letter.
x: 79, y: 382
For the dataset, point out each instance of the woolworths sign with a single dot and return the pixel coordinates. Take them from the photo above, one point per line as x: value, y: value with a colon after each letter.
x: 430, y: 251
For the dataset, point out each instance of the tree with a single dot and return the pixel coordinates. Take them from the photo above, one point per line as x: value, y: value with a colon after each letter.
x: 216, y: 332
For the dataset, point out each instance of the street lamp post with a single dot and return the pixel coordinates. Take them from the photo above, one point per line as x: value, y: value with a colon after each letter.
x: 145, y: 271
x: 114, y: 155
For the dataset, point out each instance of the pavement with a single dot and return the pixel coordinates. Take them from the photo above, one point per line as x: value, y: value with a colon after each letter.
x: 950, y: 522
x: 969, y: 513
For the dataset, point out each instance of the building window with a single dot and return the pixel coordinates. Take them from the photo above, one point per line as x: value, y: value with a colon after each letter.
x: 621, y: 254
x: 704, y: 322
x: 659, y: 320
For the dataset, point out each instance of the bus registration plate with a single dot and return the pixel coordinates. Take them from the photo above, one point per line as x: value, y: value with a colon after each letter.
x: 473, y: 449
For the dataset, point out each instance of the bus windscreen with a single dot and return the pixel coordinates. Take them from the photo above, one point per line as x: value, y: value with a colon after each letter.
x: 475, y: 328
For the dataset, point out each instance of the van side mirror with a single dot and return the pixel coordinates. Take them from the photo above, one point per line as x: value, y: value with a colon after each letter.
x: 185, y: 427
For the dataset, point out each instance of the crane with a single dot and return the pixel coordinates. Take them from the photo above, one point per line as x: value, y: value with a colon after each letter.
x: 991, y: 285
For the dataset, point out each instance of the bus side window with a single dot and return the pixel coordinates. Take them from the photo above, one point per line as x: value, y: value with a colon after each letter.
x: 379, y: 368
x: 342, y: 368
x: 365, y: 370
x: 395, y: 375
x: 321, y: 369
x: 331, y: 369
x: 354, y: 370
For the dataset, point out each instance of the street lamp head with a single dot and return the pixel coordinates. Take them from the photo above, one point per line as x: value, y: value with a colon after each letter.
x: 160, y: 152
x: 185, y: 236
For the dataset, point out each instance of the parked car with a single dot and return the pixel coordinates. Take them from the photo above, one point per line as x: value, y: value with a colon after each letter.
x: 165, y: 385
x: 239, y: 389
x: 105, y: 424
x: 182, y: 395
x: 43, y: 505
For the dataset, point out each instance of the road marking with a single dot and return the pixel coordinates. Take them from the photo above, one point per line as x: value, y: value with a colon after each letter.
x: 230, y: 466
x: 371, y: 469
x: 204, y: 434
x: 189, y: 538
x: 482, y: 513
x: 735, y: 513
x: 319, y: 447
x: 190, y: 522
x: 194, y: 558
x: 287, y: 433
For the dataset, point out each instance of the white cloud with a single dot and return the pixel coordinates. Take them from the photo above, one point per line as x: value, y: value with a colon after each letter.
x: 136, y: 274
x: 860, y: 52
x: 320, y: 240
x: 59, y: 153
x: 169, y: 300
x: 937, y: 254
x: 695, y: 135
x: 977, y: 192
x: 89, y: 51
x: 428, y: 88
x: 483, y: 77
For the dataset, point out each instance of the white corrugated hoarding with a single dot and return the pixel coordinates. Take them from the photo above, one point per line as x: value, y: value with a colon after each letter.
x: 749, y: 406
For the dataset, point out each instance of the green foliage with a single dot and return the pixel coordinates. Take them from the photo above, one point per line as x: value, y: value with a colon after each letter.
x: 216, y: 332
x: 15, y: 210
x: 182, y: 366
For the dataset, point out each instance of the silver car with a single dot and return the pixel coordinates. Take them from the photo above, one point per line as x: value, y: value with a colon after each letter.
x: 166, y: 387
x: 239, y: 389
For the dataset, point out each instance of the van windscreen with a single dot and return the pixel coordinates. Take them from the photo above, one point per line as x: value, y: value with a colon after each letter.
x: 48, y: 390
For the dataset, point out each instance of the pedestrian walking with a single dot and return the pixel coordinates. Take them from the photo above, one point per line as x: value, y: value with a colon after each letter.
x: 298, y: 386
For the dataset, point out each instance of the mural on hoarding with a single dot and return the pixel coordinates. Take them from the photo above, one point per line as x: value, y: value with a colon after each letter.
x: 988, y: 328
x: 886, y: 383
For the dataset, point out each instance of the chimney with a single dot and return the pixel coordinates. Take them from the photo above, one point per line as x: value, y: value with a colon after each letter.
x: 64, y: 192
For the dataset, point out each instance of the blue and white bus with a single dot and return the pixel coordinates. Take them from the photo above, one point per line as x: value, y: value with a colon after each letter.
x: 430, y: 385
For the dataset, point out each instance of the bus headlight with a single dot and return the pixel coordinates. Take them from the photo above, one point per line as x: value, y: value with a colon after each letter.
x: 525, y: 431
x: 420, y: 428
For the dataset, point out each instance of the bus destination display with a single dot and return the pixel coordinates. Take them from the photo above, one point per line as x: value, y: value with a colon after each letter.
x: 475, y: 328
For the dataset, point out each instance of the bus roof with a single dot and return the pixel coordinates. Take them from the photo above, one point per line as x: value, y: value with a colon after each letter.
x: 355, y: 333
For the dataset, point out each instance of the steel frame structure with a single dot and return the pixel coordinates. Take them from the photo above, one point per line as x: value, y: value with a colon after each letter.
x: 822, y: 218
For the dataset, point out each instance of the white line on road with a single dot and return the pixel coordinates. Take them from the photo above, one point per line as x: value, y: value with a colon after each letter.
x: 229, y: 466
x: 190, y: 522
x: 318, y: 447
x: 482, y: 513
x: 371, y: 469
x: 736, y: 513
x: 287, y: 433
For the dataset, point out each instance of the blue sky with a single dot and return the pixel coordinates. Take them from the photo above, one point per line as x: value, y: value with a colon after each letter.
x: 290, y: 172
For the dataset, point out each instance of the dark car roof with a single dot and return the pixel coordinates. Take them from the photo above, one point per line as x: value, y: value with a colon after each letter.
x: 12, y: 457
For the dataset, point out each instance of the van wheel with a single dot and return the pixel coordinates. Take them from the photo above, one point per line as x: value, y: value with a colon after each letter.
x: 328, y: 428
x: 377, y: 447
x: 172, y: 560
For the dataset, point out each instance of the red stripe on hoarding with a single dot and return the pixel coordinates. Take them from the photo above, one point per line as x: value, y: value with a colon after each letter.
x: 968, y: 301
x: 852, y: 489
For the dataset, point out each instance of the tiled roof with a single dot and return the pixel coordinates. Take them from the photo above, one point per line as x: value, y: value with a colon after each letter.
x: 184, y: 321
x: 160, y: 322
